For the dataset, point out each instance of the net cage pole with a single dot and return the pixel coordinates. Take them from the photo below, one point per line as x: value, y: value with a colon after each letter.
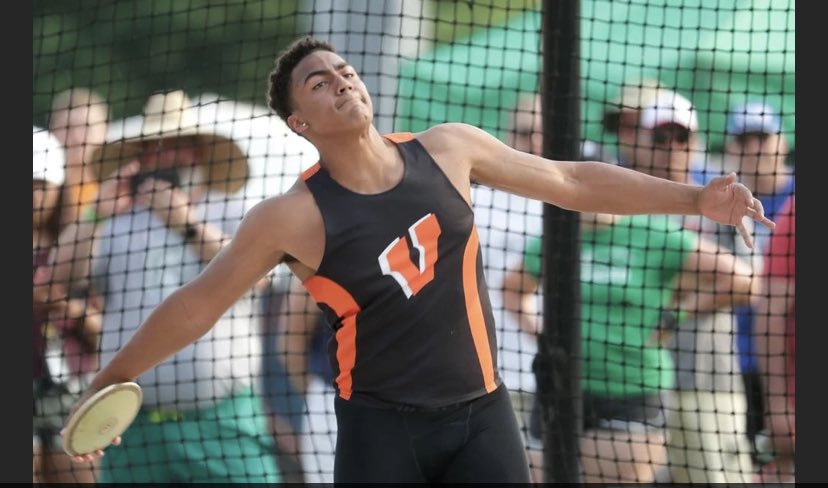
x: 557, y: 365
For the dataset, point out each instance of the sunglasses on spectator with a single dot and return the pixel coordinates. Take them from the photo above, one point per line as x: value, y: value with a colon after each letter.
x: 743, y: 138
x: 662, y: 135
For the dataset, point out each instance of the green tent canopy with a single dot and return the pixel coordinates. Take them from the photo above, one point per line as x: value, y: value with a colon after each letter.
x: 716, y: 52
x: 476, y: 81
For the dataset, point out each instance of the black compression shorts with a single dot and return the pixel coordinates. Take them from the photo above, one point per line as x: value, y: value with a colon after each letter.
x: 475, y: 441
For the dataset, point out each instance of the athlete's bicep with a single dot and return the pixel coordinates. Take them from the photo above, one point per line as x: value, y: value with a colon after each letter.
x: 496, y: 165
x: 255, y: 249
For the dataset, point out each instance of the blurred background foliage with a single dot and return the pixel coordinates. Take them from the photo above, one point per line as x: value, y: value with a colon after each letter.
x: 714, y: 51
x: 457, y: 19
x: 127, y: 49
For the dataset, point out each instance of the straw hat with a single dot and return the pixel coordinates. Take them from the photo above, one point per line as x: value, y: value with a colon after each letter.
x: 170, y: 115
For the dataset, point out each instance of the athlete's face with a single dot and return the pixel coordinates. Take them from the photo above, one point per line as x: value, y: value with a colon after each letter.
x: 328, y: 96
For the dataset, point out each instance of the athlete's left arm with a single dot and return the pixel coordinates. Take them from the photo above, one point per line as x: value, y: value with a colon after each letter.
x: 591, y: 186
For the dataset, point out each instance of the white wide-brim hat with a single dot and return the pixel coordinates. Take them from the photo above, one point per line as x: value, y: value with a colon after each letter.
x: 171, y: 115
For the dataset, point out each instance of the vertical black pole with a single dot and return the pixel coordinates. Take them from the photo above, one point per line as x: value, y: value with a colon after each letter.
x: 557, y: 366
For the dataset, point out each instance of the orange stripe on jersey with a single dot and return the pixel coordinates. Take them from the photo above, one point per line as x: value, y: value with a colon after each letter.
x: 475, y: 311
x: 310, y: 171
x: 399, y: 137
x: 343, y: 304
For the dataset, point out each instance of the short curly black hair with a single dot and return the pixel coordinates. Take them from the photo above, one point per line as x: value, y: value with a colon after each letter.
x: 278, y: 92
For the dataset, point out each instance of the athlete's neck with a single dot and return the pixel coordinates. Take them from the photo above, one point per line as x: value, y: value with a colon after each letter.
x: 364, y: 162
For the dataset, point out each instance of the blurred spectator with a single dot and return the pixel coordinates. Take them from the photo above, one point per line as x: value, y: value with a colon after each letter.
x: 625, y: 371
x: 304, y: 337
x: 623, y: 413
x: 757, y: 142
x: 622, y: 117
x: 277, y: 156
x: 776, y: 345
x: 498, y: 212
x: 526, y: 131
x: 295, y: 348
x: 51, y: 394
x: 79, y: 120
x: 166, y: 208
x: 757, y: 147
x: 706, y: 439
x: 526, y: 134
x: 666, y: 139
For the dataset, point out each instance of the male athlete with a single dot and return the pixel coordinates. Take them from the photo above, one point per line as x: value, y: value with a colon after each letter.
x: 382, y: 235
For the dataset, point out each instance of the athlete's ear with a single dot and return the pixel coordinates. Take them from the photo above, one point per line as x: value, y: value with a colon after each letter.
x: 296, y: 125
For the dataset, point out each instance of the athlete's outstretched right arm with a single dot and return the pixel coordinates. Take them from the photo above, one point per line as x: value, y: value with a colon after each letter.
x: 192, y: 310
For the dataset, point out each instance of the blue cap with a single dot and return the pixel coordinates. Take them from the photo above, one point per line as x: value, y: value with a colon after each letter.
x: 753, y: 117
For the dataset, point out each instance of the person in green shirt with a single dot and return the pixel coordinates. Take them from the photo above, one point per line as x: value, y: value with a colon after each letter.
x: 629, y: 271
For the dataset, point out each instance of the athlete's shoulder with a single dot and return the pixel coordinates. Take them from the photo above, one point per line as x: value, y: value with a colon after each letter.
x: 283, y: 208
x: 455, y: 136
x: 290, y: 223
x: 452, y: 130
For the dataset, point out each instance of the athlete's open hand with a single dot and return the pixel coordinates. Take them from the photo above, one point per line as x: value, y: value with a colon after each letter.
x: 728, y: 202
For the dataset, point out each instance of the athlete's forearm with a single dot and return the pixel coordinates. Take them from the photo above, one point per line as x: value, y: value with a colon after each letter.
x: 173, y: 325
x: 607, y: 188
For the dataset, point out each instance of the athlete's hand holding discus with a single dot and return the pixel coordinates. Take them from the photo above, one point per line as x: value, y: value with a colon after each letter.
x: 99, y: 418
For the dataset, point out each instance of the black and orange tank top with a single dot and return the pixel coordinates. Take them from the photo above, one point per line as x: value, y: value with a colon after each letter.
x: 401, y: 283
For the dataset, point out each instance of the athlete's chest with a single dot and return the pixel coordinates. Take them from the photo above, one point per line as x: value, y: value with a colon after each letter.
x: 406, y: 221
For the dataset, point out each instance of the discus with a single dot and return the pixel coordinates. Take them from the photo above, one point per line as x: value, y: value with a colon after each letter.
x: 102, y: 418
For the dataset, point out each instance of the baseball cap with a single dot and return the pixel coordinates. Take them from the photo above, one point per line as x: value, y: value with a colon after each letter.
x: 47, y: 157
x: 669, y: 108
x: 753, y: 117
x: 634, y: 96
